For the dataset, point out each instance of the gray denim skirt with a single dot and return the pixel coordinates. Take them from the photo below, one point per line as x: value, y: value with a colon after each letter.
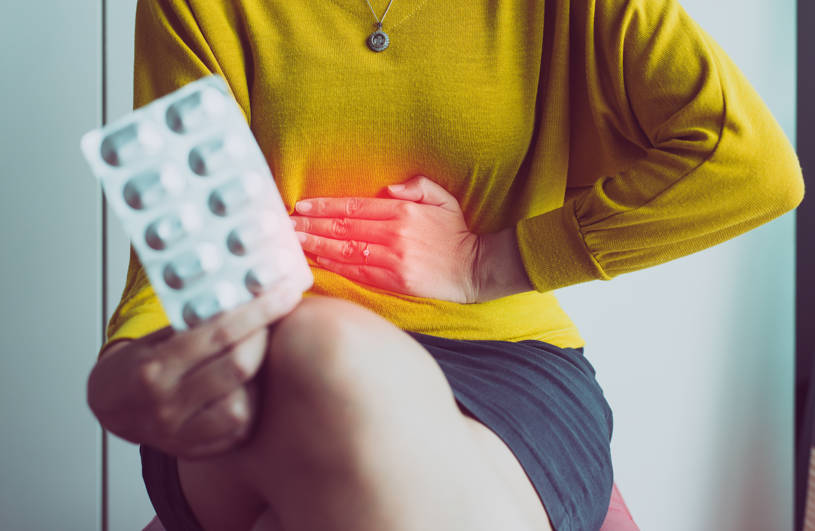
x: 543, y: 401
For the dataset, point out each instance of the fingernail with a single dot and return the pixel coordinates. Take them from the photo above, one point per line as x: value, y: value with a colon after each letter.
x: 396, y: 187
x: 239, y: 409
x: 301, y: 237
x: 302, y: 206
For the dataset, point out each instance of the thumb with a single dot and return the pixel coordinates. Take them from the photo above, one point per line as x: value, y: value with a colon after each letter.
x: 423, y: 190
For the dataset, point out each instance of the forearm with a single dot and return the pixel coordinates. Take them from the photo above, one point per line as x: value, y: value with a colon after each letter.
x: 499, y: 269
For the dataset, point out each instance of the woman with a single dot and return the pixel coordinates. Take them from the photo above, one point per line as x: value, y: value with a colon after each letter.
x: 442, y: 185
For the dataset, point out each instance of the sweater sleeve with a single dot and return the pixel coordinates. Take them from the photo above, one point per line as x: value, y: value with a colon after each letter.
x: 170, y: 51
x: 714, y: 162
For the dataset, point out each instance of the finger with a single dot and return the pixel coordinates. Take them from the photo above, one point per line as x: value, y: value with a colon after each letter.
x: 220, y: 375
x: 423, y: 190
x: 378, y: 277
x: 345, y: 228
x: 348, y: 251
x: 183, y: 350
x: 217, y: 427
x: 347, y: 207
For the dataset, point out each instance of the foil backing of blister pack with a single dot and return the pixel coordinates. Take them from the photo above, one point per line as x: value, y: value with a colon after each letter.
x: 198, y: 201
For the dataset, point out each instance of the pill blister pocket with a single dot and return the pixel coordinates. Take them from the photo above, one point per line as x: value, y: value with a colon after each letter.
x: 196, y: 197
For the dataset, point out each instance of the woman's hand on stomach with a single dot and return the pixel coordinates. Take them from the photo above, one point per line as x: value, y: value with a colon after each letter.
x: 191, y: 393
x: 416, y: 243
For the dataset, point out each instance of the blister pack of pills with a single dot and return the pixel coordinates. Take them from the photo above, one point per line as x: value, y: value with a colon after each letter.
x: 198, y: 201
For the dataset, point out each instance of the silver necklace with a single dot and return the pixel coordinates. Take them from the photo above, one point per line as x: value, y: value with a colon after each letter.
x: 378, y: 41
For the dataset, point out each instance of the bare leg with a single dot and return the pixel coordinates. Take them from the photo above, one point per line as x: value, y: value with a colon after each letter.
x: 359, y: 431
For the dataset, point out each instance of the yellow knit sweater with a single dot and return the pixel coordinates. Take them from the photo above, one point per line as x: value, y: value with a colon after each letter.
x: 613, y: 135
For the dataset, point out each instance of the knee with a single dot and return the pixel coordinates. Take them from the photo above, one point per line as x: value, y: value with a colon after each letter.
x: 324, y: 343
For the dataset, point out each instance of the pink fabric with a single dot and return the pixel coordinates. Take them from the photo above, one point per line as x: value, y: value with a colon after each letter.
x: 154, y: 525
x: 617, y: 519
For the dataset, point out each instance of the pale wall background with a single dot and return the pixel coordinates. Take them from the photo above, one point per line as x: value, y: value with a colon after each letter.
x: 696, y: 356
x: 50, y: 266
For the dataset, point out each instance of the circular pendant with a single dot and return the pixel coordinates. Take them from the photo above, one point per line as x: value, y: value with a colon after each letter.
x: 378, y: 41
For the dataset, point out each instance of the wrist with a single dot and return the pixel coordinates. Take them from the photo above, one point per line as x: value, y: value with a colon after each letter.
x: 499, y: 269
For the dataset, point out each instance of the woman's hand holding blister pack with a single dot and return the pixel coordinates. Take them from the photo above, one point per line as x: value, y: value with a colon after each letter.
x: 196, y: 197
x: 188, y: 393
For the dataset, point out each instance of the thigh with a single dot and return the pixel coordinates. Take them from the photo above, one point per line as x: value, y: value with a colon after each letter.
x: 402, y: 405
x: 365, y: 385
x: 220, y: 500
x: 225, y: 504
x: 509, y: 473
x: 228, y: 505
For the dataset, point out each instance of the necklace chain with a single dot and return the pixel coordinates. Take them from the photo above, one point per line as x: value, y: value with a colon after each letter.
x: 378, y: 20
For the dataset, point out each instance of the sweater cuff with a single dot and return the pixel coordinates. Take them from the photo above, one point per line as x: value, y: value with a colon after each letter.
x: 553, y: 251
